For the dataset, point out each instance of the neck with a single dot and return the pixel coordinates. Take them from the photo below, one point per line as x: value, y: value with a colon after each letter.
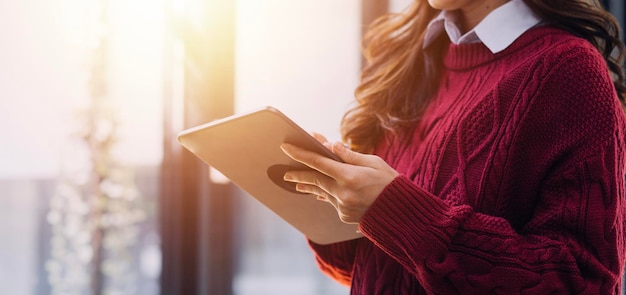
x: 474, y: 13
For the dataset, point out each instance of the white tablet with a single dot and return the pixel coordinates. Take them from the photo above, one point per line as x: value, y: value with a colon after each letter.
x: 246, y: 149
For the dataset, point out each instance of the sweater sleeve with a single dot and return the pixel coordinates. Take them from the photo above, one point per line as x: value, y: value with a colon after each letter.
x: 336, y: 260
x: 570, y: 143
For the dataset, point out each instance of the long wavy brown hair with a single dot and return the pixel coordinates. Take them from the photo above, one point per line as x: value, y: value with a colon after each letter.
x: 400, y: 76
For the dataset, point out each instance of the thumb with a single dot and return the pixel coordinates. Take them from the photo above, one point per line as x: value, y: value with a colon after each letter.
x: 349, y: 156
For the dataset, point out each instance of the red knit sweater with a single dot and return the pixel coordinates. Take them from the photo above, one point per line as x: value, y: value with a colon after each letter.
x: 514, y: 181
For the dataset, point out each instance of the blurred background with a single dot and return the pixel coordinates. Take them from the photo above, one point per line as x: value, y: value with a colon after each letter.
x: 96, y: 195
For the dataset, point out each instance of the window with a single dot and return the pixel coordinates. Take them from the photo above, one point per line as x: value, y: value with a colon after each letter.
x: 79, y: 87
x: 300, y: 57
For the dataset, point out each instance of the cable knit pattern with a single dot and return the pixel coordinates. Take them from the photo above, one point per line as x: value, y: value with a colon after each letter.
x: 514, y: 183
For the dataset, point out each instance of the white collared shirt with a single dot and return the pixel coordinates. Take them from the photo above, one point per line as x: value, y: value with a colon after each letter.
x: 497, y: 30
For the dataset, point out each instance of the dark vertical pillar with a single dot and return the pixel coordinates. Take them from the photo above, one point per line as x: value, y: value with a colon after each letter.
x: 195, y: 213
x: 218, y: 87
x: 618, y: 9
x: 370, y: 10
x: 605, y: 4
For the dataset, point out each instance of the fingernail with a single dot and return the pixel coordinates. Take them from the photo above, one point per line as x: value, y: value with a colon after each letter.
x: 287, y: 176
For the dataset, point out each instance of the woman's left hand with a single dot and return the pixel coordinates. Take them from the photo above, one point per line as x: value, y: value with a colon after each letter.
x: 351, y: 187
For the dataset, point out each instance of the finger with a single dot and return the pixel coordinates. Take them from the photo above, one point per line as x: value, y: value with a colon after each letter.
x: 313, y: 190
x: 322, y: 139
x: 352, y: 157
x: 310, y: 178
x: 313, y: 160
x: 319, y: 137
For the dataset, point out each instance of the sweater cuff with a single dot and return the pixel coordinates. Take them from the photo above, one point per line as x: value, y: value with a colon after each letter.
x: 404, y: 215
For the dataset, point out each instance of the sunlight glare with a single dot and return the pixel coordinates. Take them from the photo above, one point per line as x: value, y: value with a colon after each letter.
x: 137, y: 30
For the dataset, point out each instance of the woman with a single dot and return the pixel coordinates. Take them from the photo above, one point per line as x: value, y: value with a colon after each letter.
x: 486, y: 153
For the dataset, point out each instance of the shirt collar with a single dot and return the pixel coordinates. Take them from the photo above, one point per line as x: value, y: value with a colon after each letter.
x: 497, y: 30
